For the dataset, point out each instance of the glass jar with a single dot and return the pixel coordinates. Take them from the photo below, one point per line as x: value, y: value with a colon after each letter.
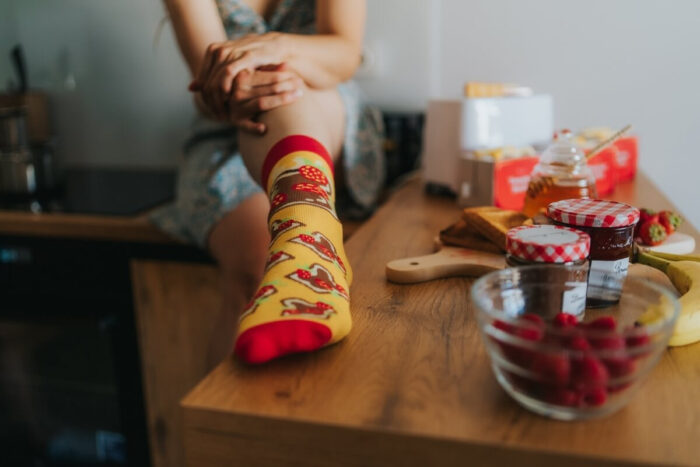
x: 562, y: 173
x: 566, y: 250
x: 610, y: 226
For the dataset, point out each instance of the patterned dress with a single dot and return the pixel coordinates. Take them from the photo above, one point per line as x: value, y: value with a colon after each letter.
x: 212, y: 179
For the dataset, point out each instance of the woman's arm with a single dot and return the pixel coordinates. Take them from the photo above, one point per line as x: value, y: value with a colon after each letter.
x: 333, y: 55
x: 322, y: 60
x: 197, y: 24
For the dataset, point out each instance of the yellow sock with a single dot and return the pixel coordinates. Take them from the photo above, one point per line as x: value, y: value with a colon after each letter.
x: 302, y: 303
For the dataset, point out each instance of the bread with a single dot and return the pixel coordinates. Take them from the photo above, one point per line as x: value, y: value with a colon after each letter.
x: 462, y: 234
x: 493, y: 223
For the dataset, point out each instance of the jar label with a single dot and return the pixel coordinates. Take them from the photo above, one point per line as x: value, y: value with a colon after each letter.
x: 573, y: 301
x: 549, y: 235
x: 606, y: 277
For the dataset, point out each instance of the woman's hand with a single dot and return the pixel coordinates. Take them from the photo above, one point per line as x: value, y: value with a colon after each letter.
x: 224, y: 61
x: 264, y: 89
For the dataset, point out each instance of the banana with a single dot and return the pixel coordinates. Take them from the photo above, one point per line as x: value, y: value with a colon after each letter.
x: 684, y: 273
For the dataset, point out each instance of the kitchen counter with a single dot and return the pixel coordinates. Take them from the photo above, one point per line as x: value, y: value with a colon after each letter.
x: 412, y: 385
x: 135, y: 228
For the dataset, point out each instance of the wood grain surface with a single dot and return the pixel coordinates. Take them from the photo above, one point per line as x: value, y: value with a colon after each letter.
x: 412, y: 385
x: 86, y: 226
x: 177, y: 306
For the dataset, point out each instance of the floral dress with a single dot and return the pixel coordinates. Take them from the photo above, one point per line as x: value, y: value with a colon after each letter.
x: 212, y: 179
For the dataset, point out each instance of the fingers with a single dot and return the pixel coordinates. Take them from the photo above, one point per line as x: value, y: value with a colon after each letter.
x: 265, y: 103
x: 266, y: 84
x: 251, y: 126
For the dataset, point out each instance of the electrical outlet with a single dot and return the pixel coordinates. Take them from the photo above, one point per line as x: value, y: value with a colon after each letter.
x: 370, y: 67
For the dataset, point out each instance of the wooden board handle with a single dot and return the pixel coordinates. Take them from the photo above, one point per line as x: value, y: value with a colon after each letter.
x: 448, y: 262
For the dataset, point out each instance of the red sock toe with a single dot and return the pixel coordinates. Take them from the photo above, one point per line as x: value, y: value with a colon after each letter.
x: 276, y: 338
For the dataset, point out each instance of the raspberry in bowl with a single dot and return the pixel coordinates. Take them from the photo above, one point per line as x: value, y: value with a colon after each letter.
x: 558, y: 365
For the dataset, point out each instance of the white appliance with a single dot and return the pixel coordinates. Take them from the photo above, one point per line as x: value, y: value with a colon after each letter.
x: 454, y: 127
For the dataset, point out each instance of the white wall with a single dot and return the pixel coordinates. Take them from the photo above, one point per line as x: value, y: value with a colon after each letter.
x: 607, y: 62
x: 129, y: 106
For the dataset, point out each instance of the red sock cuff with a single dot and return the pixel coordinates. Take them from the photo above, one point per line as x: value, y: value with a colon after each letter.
x: 291, y: 144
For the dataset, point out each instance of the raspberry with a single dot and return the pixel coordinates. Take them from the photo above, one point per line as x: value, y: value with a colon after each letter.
x: 638, y: 340
x: 551, y: 368
x: 603, y: 323
x: 562, y: 396
x: 306, y: 275
x: 533, y: 318
x: 595, y: 397
x: 588, y: 373
x: 620, y: 366
x: 530, y: 333
x: 286, y: 224
x: 608, y: 343
x: 503, y: 326
x: 322, y: 306
x: 564, y: 320
x: 339, y: 288
x: 579, y: 343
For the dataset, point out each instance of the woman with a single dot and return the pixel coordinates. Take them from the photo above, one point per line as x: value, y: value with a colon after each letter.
x: 267, y: 70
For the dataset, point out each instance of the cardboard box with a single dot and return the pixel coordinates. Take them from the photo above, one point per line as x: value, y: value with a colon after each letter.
x: 498, y: 183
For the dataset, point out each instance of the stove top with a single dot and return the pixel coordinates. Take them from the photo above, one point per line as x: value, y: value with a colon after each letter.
x: 117, y: 192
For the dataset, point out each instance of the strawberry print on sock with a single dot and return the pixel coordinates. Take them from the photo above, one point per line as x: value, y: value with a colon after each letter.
x: 282, y: 225
x: 318, y: 279
x: 320, y: 244
x: 277, y: 257
x: 300, y: 307
x: 314, y: 174
x: 298, y: 189
x: 260, y: 296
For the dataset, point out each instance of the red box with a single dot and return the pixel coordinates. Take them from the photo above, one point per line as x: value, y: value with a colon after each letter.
x: 511, y: 178
x: 604, y: 166
x: 626, y: 157
x: 487, y: 182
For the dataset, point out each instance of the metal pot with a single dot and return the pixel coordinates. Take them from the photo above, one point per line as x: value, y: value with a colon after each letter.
x: 13, y: 129
x: 18, y: 174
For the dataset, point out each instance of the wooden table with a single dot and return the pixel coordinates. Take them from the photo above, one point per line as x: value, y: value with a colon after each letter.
x: 412, y: 384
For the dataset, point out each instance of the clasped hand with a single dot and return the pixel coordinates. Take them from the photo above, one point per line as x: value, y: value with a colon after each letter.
x: 242, y: 78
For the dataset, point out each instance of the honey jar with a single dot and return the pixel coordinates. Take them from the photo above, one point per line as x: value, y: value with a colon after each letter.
x: 562, y: 173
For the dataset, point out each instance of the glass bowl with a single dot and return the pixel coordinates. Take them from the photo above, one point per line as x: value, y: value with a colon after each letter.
x: 562, y: 367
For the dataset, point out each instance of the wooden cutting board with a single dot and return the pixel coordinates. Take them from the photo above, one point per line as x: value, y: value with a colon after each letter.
x: 447, y: 261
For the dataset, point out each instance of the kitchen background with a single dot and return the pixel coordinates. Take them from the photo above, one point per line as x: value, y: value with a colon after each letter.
x: 118, y: 87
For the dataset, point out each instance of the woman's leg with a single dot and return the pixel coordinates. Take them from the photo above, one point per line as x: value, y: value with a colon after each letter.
x: 240, y: 253
x: 318, y: 114
x: 239, y: 242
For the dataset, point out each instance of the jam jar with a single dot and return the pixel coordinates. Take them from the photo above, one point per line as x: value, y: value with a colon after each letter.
x: 566, y: 250
x: 611, y: 227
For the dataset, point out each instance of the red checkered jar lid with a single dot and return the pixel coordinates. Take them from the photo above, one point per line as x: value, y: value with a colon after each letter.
x: 593, y: 213
x: 548, y: 244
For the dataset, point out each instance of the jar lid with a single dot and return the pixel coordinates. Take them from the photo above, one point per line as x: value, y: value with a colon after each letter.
x: 548, y: 243
x: 593, y: 213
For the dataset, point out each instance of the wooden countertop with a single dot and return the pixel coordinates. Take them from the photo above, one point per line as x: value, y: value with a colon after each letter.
x: 412, y: 385
x: 82, y: 226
